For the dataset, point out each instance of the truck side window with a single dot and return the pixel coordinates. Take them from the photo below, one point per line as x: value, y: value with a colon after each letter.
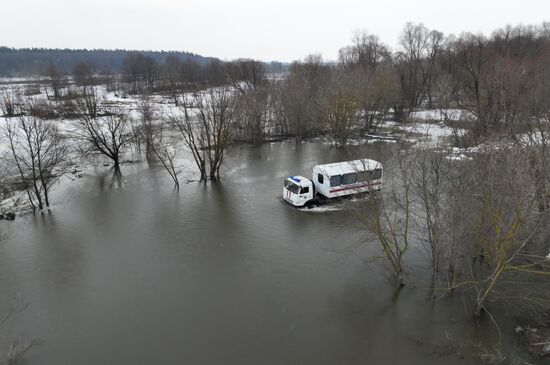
x: 305, y: 190
x: 377, y: 174
x: 364, y: 176
x: 336, y: 180
x: 350, y: 178
x: 320, y: 178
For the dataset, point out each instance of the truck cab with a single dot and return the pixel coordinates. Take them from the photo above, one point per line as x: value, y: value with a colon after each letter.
x: 298, y: 190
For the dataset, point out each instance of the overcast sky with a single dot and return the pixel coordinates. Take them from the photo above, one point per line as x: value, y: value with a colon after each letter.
x: 282, y: 30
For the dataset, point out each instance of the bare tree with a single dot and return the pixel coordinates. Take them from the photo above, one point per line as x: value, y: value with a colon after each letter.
x: 388, y: 216
x: 368, y: 62
x: 458, y: 233
x: 208, y: 129
x: 109, y: 136
x: 83, y: 74
x: 249, y: 80
x: 302, y: 99
x: 146, y: 129
x: 429, y: 173
x: 89, y: 103
x: 340, y: 108
x: 246, y: 74
x: 484, y: 226
x: 4, y: 186
x: 38, y: 151
x: 365, y: 52
x: 173, y: 73
x: 165, y: 149
x: 56, y: 80
x: 141, y: 72
x: 11, y: 103
x: 277, y: 109
x: 506, y: 220
x: 252, y: 107
x: 416, y: 66
x: 376, y: 92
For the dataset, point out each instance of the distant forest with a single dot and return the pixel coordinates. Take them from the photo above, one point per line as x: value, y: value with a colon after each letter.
x: 35, y: 61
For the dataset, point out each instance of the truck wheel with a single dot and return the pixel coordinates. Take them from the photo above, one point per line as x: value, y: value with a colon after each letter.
x: 311, y: 204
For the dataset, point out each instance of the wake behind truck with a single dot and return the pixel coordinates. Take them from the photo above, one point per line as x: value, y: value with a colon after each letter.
x: 333, y: 180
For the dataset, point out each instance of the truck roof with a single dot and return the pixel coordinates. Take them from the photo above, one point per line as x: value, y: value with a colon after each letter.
x: 346, y: 167
x: 299, y: 180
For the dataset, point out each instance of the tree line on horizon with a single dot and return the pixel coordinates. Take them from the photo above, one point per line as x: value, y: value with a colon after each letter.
x: 36, y: 61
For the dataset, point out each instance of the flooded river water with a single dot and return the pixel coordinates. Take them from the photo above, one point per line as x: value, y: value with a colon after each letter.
x: 222, y: 273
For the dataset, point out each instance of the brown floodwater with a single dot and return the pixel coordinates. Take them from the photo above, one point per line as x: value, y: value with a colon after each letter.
x: 134, y: 272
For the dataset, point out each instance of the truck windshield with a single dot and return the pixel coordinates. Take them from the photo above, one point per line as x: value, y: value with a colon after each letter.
x: 293, y: 188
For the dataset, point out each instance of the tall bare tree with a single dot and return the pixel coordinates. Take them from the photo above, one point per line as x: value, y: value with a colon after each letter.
x: 10, y: 103
x: 83, y: 74
x: 146, y: 129
x: 173, y: 72
x: 416, y: 66
x: 56, y: 80
x: 388, y: 215
x: 365, y: 52
x: 430, y: 169
x: 340, y: 107
x: 246, y: 74
x: 165, y: 148
x: 506, y: 220
x: 109, y: 136
x: 208, y: 129
x: 302, y: 97
x: 89, y: 103
x: 38, y: 151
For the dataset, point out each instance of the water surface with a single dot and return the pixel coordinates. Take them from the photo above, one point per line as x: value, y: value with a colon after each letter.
x: 133, y: 272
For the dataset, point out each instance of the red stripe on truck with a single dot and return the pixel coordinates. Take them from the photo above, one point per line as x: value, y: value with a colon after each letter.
x: 353, y: 187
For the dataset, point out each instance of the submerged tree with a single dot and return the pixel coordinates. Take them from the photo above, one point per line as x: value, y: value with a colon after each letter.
x: 207, y: 130
x: 109, y: 136
x: 165, y: 149
x: 38, y: 152
x: 89, y: 103
x: 146, y: 128
x: 509, y: 229
x: 301, y: 96
x: 388, y: 216
x: 340, y: 107
x: 252, y: 108
x: 429, y: 182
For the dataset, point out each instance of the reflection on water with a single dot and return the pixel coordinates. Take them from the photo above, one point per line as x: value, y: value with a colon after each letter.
x: 127, y: 270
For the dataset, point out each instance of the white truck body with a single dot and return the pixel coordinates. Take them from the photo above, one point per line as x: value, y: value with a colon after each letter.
x: 334, y: 180
x: 346, y: 178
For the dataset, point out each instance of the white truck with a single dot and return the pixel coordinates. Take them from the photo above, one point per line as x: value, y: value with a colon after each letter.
x: 333, y: 180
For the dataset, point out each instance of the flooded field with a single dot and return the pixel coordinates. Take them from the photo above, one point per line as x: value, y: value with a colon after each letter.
x: 129, y: 271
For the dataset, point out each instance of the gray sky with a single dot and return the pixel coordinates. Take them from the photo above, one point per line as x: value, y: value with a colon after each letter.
x: 282, y: 30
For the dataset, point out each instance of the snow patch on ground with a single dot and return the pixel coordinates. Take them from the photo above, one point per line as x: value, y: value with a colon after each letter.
x: 434, y: 131
x: 459, y: 154
x: 454, y: 115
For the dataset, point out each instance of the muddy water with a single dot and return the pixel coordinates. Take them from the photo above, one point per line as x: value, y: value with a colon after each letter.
x: 132, y: 272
